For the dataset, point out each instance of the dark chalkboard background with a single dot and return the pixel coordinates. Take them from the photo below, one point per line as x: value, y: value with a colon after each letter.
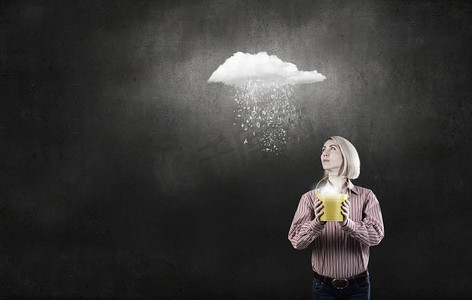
x: 123, y: 176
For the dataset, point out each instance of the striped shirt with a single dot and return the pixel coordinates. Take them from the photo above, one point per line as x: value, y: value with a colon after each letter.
x: 339, y: 251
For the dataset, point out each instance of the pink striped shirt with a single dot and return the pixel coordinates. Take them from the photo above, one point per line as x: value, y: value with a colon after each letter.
x: 339, y: 252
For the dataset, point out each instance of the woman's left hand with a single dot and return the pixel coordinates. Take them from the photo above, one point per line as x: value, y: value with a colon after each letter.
x: 345, y: 211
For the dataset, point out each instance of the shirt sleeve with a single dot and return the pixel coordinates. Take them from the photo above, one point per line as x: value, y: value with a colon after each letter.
x: 304, y: 228
x: 369, y: 231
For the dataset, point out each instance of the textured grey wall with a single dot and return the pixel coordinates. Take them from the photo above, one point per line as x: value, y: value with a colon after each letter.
x: 122, y: 174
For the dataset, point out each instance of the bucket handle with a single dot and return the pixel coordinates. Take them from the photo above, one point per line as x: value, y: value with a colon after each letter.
x: 327, y: 176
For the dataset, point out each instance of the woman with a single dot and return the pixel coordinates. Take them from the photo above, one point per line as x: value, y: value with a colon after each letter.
x: 340, y: 249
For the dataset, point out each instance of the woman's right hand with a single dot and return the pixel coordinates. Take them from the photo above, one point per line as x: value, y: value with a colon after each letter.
x: 319, y: 212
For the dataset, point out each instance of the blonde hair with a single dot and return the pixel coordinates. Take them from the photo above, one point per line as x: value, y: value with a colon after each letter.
x: 351, y: 167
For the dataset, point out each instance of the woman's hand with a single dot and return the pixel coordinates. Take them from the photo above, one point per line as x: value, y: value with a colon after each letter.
x: 318, y: 211
x: 345, y: 211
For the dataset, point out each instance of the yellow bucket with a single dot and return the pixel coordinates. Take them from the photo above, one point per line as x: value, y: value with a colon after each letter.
x: 332, y: 203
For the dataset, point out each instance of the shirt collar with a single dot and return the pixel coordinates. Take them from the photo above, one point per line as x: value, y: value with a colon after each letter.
x: 354, y: 189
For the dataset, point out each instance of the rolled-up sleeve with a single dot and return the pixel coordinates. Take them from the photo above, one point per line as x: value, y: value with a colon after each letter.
x: 304, y: 228
x: 369, y: 231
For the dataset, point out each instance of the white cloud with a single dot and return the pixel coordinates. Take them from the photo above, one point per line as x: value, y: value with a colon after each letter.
x: 242, y: 67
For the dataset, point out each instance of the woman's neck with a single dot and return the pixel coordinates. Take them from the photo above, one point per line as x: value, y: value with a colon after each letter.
x: 336, y: 182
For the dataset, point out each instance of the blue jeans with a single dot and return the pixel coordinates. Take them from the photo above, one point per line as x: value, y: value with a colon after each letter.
x: 357, y: 291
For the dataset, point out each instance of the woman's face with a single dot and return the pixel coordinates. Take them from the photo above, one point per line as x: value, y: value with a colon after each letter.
x: 331, y: 157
